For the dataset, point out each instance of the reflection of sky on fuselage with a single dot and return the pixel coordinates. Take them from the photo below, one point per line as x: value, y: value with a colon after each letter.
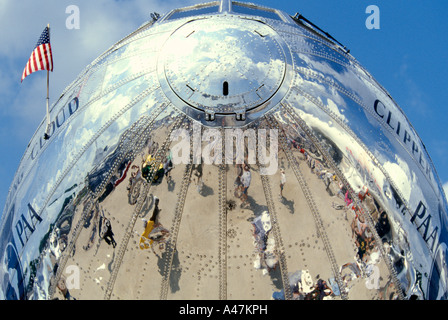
x: 363, y: 127
x: 68, y: 144
x: 353, y: 82
x: 223, y: 52
x: 81, y: 168
x: 339, y: 87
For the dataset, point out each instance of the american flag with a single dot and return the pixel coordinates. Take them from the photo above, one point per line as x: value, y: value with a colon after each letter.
x: 41, y: 57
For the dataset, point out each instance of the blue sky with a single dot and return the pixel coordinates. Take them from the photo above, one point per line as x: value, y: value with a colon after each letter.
x: 407, y: 55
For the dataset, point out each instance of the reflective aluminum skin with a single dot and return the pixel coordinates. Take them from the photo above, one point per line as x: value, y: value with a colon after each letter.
x: 352, y: 210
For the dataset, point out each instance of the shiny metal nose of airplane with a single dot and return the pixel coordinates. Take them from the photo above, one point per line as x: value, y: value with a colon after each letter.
x: 225, y: 151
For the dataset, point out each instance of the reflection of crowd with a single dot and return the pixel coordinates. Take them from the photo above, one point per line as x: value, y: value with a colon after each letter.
x: 363, y: 235
x: 264, y: 244
x: 108, y: 234
x: 154, y: 235
x: 303, y: 288
x: 135, y: 176
x: 320, y: 291
x: 242, y: 182
x: 62, y: 286
x: 149, y: 168
x: 282, y: 181
x: 382, y: 226
x: 197, y: 176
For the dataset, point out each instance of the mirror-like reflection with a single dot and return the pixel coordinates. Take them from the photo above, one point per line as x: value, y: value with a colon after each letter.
x: 259, y: 162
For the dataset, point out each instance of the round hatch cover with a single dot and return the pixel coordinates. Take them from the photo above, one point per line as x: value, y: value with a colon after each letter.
x: 222, y: 66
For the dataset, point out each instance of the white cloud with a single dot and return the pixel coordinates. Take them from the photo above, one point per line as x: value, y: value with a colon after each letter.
x: 415, y: 96
x: 445, y: 189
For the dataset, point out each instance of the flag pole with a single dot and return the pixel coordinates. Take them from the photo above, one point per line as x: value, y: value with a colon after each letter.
x: 47, y: 131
